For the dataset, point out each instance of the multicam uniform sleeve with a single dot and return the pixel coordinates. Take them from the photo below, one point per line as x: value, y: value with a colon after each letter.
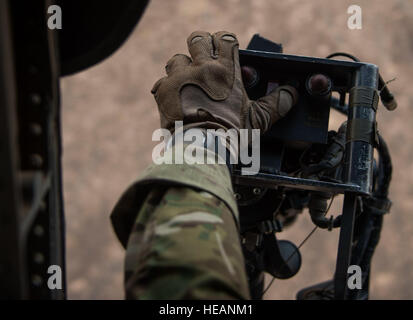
x: 179, y: 224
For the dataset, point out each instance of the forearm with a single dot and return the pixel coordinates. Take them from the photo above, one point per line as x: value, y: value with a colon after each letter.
x: 185, y: 241
x: 184, y: 245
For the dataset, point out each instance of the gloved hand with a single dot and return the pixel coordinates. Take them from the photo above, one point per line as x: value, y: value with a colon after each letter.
x: 207, y: 91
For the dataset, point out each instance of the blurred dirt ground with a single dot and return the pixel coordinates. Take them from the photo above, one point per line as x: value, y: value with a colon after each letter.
x: 109, y: 116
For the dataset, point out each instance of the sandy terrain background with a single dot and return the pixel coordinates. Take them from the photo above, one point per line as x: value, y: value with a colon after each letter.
x: 109, y: 116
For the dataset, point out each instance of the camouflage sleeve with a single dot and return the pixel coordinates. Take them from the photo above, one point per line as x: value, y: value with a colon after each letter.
x: 179, y: 226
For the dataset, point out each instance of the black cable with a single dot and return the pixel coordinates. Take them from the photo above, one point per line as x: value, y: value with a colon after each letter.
x: 386, y: 96
x: 300, y: 245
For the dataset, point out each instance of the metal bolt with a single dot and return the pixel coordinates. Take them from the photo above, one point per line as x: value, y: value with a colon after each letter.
x: 36, y: 99
x: 237, y: 196
x: 256, y: 191
x: 36, y: 160
x: 38, y: 231
x: 38, y: 258
x: 37, y: 280
x: 36, y: 129
x: 42, y: 206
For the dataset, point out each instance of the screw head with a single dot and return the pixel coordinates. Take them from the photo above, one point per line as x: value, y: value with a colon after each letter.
x: 37, y: 280
x: 36, y: 129
x: 36, y: 160
x: 38, y: 230
x: 35, y: 99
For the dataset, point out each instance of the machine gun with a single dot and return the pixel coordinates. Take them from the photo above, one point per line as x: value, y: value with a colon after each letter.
x: 303, y: 165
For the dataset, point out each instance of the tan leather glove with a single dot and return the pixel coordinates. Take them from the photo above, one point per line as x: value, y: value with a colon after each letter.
x: 207, y: 91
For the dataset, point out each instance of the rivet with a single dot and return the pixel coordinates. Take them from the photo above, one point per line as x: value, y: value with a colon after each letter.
x: 36, y: 160
x: 38, y: 231
x: 37, y: 280
x: 35, y: 129
x: 38, y: 258
x: 35, y: 99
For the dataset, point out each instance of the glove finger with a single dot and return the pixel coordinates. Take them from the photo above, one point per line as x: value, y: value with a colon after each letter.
x: 274, y: 106
x: 286, y: 102
x: 178, y: 61
x: 224, y: 43
x: 157, y: 85
x: 279, y: 101
x: 200, y: 46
